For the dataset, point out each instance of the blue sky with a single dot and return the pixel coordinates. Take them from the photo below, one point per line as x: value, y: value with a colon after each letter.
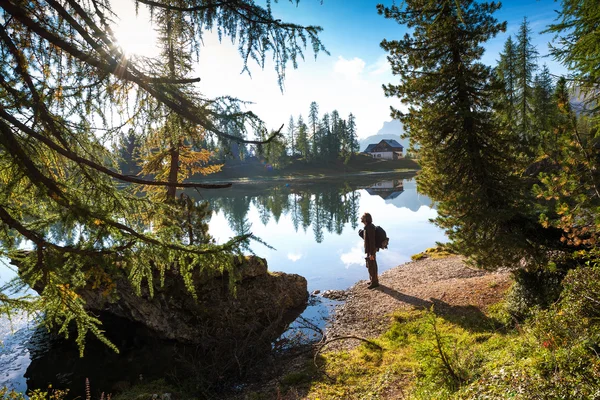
x: 348, y: 80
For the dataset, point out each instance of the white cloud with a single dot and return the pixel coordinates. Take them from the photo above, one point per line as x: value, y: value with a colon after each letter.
x: 380, y: 67
x: 347, y: 84
x: 294, y: 257
x: 350, y: 69
x: 356, y: 255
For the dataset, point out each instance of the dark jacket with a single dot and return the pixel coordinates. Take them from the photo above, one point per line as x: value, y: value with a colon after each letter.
x: 369, y: 237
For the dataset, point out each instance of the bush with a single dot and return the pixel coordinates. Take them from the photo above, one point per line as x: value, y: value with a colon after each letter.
x: 561, y: 347
x: 533, y: 290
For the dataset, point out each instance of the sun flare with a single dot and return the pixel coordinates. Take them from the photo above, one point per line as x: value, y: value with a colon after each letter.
x: 136, y: 37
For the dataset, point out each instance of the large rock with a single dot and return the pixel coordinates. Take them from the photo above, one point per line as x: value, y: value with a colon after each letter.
x: 217, y: 336
x: 260, y: 302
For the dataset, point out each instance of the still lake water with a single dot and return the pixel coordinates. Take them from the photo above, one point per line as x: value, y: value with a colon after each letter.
x: 312, y: 229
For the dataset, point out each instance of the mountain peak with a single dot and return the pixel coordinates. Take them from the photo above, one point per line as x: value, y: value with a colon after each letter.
x: 391, y: 130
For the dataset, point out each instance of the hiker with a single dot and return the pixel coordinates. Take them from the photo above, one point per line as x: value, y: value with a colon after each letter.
x: 368, y: 234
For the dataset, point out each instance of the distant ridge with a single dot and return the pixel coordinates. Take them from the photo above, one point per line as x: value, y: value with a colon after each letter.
x: 390, y: 130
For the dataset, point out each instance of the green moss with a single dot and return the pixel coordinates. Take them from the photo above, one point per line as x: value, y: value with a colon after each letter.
x: 440, y: 251
x: 418, y: 256
x: 307, y: 374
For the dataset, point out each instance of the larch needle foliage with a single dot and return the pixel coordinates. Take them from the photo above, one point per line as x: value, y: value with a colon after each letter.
x: 573, y: 189
x: 67, y: 93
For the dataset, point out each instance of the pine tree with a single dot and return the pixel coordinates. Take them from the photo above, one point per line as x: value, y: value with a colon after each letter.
x: 544, y: 108
x: 291, y: 136
x: 507, y: 75
x: 526, y: 66
x: 275, y: 153
x: 352, y: 134
x: 66, y: 90
x: 313, y: 124
x: 572, y: 188
x: 128, y: 150
x: 325, y: 136
x: 466, y: 167
x: 232, y: 147
x: 335, y: 137
x: 303, y: 145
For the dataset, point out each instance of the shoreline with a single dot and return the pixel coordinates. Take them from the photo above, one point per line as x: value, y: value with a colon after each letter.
x: 307, y: 178
x: 447, y: 284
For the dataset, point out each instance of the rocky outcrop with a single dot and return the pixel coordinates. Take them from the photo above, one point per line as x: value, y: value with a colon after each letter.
x: 219, y: 335
x: 261, y: 303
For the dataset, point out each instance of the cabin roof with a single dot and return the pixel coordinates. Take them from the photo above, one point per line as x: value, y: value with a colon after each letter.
x: 390, y: 142
x: 369, y: 148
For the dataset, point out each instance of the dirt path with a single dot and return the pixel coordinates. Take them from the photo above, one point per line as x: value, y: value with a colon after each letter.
x: 447, y: 283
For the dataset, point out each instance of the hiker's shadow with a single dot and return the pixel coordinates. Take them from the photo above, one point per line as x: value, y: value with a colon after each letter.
x: 404, y: 298
x: 468, y: 317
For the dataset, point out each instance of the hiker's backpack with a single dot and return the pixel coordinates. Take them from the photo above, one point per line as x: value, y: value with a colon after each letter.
x: 381, y: 239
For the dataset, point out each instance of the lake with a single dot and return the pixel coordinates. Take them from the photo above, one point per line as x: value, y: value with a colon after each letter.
x: 312, y: 229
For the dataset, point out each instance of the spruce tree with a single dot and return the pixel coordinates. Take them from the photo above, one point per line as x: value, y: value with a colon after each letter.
x: 466, y: 168
x: 544, y: 108
x: 325, y: 136
x: 352, y: 135
x: 291, y: 139
x: 335, y: 136
x: 128, y: 150
x: 526, y: 67
x: 313, y: 124
x: 302, y: 143
x: 572, y: 188
x: 507, y: 76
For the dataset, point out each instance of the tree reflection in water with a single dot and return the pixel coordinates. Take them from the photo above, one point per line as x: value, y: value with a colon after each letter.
x: 325, y: 206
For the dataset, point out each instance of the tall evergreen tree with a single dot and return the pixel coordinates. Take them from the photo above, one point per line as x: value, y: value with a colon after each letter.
x: 577, y: 45
x: 352, y: 134
x: 507, y: 75
x: 526, y: 67
x: 275, y: 153
x: 335, y: 137
x: 465, y: 165
x: 302, y: 143
x: 313, y: 124
x: 291, y: 139
x: 544, y: 108
x: 325, y: 136
x: 128, y: 149
x: 572, y: 188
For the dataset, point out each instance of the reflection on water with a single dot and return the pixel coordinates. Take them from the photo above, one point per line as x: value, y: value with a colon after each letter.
x: 313, y: 227
x: 313, y: 231
x: 14, y: 354
x: 387, y: 190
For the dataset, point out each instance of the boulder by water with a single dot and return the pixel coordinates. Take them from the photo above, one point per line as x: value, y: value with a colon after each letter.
x: 214, y: 338
x: 263, y: 303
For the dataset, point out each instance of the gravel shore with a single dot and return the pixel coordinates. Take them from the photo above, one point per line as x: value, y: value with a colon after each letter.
x: 446, y: 283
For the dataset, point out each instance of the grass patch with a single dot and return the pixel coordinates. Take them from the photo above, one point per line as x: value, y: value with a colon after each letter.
x: 440, y: 251
x: 459, y: 353
x: 426, y: 356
